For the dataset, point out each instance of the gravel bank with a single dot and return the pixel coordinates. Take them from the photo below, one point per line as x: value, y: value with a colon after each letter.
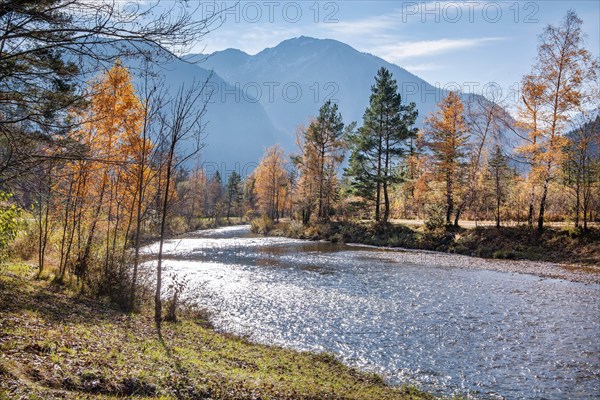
x: 571, y: 272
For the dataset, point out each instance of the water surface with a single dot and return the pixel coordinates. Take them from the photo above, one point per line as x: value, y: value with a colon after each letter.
x: 414, y: 317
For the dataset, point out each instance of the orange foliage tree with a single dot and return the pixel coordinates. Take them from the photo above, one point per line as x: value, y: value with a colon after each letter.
x: 101, y: 187
x: 552, y: 91
x: 446, y: 136
x: 271, y: 183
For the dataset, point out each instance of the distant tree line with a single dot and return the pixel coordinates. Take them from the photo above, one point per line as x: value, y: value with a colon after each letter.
x: 460, y: 164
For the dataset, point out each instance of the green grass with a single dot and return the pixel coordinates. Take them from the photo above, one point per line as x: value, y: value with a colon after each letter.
x: 56, y: 345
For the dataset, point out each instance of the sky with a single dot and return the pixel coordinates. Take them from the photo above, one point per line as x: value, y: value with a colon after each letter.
x: 476, y: 45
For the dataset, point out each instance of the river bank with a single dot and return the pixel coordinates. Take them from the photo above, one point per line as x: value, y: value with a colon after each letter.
x: 55, y: 344
x: 556, y: 253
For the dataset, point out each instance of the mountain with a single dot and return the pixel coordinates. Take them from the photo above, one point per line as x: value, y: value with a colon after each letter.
x: 260, y: 100
x: 237, y: 127
x: 293, y: 79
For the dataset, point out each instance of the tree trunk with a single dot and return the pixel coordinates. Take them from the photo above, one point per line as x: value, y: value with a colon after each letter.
x: 378, y: 177
x: 531, y: 201
x: 458, y: 213
x: 386, y: 176
x: 163, y: 225
x: 577, y: 202
x: 540, y: 226
x: 82, y: 262
x: 498, y: 199
x: 449, y: 197
x: 321, y: 179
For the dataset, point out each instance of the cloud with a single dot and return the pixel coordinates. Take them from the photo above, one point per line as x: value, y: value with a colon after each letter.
x: 422, y: 67
x: 423, y: 48
x: 411, y: 12
x: 366, y: 26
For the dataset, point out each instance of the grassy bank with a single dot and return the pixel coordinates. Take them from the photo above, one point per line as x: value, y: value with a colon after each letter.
x: 55, y: 344
x: 559, y: 245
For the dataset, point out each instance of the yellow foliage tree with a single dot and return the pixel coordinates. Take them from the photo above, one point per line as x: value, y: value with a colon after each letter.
x: 550, y: 93
x: 100, y: 187
x: 271, y: 182
x: 446, y: 136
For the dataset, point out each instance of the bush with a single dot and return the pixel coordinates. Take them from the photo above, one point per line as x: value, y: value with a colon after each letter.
x: 22, y: 247
x: 176, y: 225
x: 295, y: 229
x: 436, y: 217
x: 504, y: 254
x: 10, y: 216
x: 262, y: 225
x: 175, y: 290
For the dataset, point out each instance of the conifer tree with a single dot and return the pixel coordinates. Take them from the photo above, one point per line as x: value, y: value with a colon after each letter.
x: 234, y: 193
x: 380, y: 143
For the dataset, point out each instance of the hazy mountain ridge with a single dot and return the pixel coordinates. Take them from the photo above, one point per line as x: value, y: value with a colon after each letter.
x: 260, y: 100
x: 322, y: 69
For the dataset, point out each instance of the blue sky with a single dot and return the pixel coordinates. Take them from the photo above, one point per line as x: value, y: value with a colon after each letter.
x: 471, y: 43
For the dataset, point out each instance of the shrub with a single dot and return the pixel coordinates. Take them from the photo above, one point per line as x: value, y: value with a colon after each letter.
x: 175, y: 290
x: 22, y: 247
x: 504, y: 254
x: 436, y: 217
x: 294, y: 229
x: 176, y: 225
x: 261, y: 225
x: 10, y: 216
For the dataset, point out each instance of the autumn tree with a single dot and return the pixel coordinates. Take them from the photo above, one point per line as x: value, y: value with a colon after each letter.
x: 194, y: 199
x: 308, y: 187
x: 250, y: 200
x: 484, y: 119
x: 110, y: 125
x: 558, y: 78
x: 530, y: 114
x: 415, y: 176
x: 381, y: 142
x: 270, y: 185
x: 446, y: 137
x: 322, y: 147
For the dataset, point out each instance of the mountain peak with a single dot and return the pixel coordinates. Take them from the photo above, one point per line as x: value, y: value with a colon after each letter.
x: 233, y: 51
x: 309, y: 40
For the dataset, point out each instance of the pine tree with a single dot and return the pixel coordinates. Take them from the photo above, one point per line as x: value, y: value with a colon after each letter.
x: 234, y: 193
x: 381, y: 142
x: 499, y: 171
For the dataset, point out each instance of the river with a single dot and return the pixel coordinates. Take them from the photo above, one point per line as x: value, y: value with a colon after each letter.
x: 414, y: 317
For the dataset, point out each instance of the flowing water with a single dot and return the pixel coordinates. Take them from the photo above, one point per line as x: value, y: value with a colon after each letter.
x: 414, y: 317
